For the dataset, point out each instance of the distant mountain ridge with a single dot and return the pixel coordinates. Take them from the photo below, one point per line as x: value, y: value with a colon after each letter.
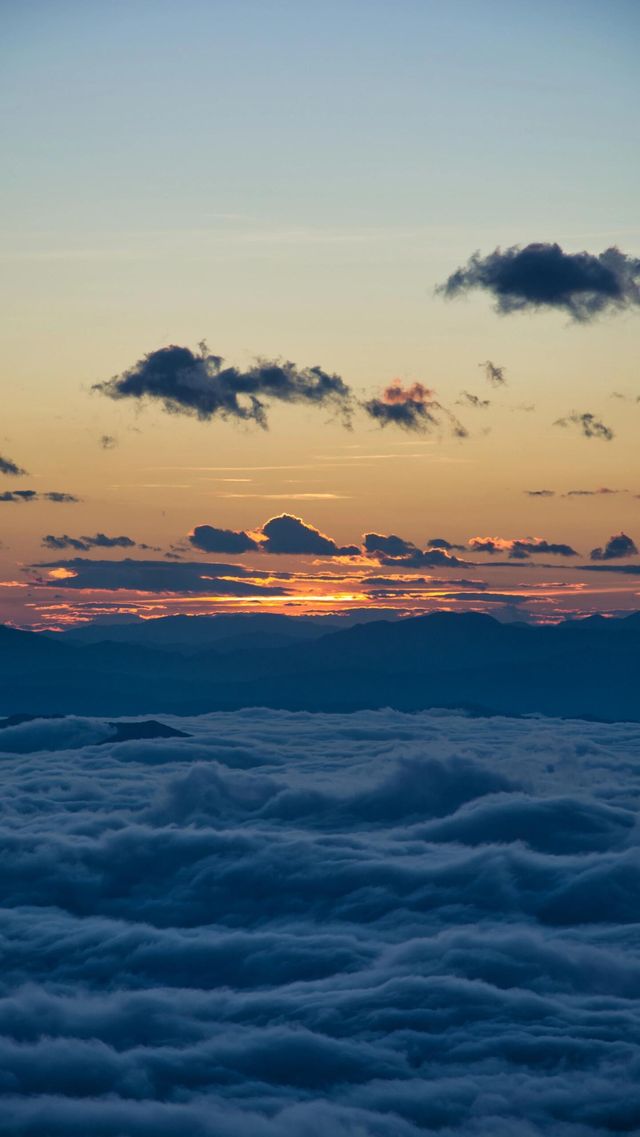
x: 580, y: 668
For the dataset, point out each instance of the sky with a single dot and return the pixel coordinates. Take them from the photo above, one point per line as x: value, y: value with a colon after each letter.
x: 297, y: 183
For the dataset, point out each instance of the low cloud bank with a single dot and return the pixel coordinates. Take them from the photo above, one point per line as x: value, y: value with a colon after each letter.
x: 283, y: 925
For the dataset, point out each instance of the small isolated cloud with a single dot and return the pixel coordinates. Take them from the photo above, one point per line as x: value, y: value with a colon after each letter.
x: 588, y: 424
x: 467, y: 399
x: 618, y: 546
x: 108, y: 442
x: 493, y: 374
x: 543, y: 276
x: 190, y: 383
x: 520, y: 548
x: 99, y: 541
x: 7, y: 466
x: 212, y: 540
x: 540, y: 493
x: 33, y: 495
x: 291, y: 536
x: 412, y: 408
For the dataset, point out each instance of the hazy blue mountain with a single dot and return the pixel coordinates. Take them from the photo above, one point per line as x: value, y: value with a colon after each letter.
x: 588, y: 668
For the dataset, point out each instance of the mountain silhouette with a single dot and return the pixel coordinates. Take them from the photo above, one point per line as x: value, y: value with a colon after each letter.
x: 580, y: 668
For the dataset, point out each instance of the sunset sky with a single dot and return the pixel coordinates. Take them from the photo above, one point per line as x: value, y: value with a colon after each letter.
x: 298, y: 183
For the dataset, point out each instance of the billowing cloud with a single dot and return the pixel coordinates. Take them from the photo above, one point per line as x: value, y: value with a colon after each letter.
x: 212, y: 540
x: 520, y: 548
x: 289, y: 535
x: 155, y: 576
x: 7, y: 466
x: 33, y: 495
x: 108, y: 441
x: 98, y: 541
x: 618, y: 546
x: 185, y: 382
x: 389, y: 544
x: 366, y: 925
x: 543, y: 276
x: 413, y: 408
x: 493, y: 374
x: 588, y: 424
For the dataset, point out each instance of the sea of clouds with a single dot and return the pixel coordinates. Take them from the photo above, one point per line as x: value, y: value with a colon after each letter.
x: 299, y: 925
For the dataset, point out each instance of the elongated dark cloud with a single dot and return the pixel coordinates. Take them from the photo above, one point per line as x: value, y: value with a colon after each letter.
x: 493, y: 374
x: 540, y: 493
x: 618, y: 546
x: 33, y: 495
x: 156, y: 576
x: 98, y: 541
x: 604, y: 491
x: 212, y: 540
x: 413, y: 408
x: 184, y: 382
x: 588, y: 424
x: 7, y: 466
x: 415, y: 558
x: 289, y: 535
x: 520, y: 548
x: 295, y: 925
x: 543, y: 276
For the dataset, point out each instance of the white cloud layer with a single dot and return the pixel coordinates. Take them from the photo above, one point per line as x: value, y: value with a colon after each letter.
x: 298, y: 925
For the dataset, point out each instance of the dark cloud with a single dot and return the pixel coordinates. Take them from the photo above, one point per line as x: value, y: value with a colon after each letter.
x: 520, y: 548
x: 392, y: 550
x: 540, y: 493
x: 391, y: 545
x: 198, y: 384
x: 108, y: 442
x: 18, y: 495
x: 292, y: 536
x: 9, y: 467
x: 157, y: 576
x: 422, y: 558
x: 493, y: 374
x: 413, y: 408
x: 618, y: 546
x: 442, y: 543
x: 33, y: 495
x: 542, y: 276
x: 588, y: 424
x: 213, y: 540
x: 99, y: 541
x: 468, y: 400
x: 376, y: 924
